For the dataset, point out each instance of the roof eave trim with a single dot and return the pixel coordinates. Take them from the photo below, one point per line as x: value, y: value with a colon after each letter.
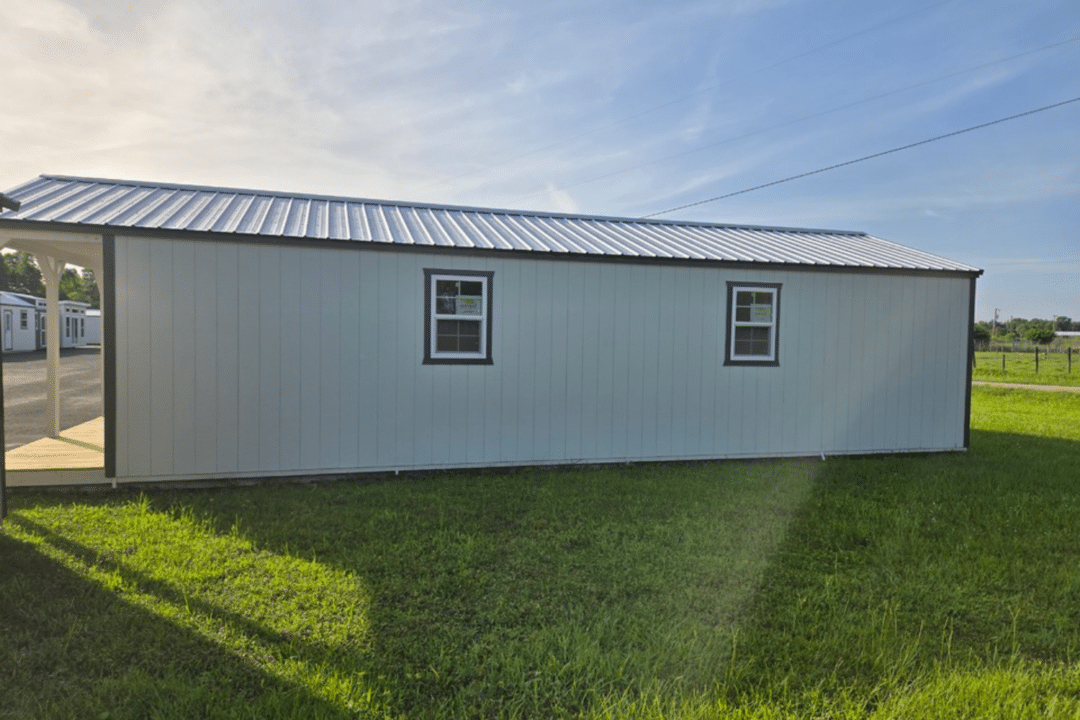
x: 9, y: 203
x: 374, y: 244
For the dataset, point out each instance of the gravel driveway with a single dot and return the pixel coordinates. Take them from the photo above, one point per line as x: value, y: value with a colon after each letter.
x: 24, y: 392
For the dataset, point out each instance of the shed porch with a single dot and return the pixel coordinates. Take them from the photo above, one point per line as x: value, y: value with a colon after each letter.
x: 74, y: 457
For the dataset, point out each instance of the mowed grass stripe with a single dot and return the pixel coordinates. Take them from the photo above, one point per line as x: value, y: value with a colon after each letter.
x: 856, y: 587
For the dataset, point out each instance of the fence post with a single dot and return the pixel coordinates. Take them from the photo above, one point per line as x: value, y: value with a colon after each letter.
x: 1002, y: 362
x: 1070, y: 359
x: 1036, y: 361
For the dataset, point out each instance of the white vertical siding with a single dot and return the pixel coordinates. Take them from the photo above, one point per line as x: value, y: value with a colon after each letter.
x: 227, y: 419
x: 249, y: 370
x: 139, y: 381
x: 268, y: 407
x: 162, y: 391
x: 205, y: 284
x: 182, y: 402
x: 261, y: 360
x: 348, y: 300
x: 290, y: 338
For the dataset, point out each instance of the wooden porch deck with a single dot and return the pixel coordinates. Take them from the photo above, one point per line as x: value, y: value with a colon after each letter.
x: 77, y: 457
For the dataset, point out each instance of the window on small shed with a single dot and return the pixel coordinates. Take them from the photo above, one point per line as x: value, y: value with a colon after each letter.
x: 458, y: 306
x: 24, y: 320
x: 753, y: 328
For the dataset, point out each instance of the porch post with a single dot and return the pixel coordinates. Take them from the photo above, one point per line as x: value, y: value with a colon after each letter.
x: 3, y: 461
x: 50, y: 272
x: 99, y: 280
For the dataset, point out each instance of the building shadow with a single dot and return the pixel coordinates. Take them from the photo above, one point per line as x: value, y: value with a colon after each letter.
x: 70, y: 647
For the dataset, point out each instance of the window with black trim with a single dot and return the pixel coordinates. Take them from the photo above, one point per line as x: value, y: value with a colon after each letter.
x: 24, y: 320
x: 753, y: 324
x: 458, y: 308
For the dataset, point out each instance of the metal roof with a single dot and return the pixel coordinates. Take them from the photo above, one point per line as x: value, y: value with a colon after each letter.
x: 9, y: 298
x: 100, y: 205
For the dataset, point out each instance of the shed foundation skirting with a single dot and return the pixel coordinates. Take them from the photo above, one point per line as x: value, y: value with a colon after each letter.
x: 56, y: 478
x: 316, y: 475
x: 46, y: 478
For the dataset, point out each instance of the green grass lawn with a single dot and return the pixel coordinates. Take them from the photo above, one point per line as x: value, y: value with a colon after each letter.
x: 884, y: 587
x: 1020, y: 368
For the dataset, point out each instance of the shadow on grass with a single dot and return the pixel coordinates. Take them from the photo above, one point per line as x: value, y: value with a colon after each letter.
x: 71, y: 648
x: 537, y: 592
x: 141, y: 583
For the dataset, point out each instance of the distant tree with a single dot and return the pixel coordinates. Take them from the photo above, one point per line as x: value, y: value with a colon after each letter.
x: 91, y: 288
x: 1015, y: 328
x: 1040, y: 332
x: 22, y: 274
x: 1062, y: 323
x: 19, y: 273
x: 981, y: 332
x: 72, y: 287
x: 80, y: 287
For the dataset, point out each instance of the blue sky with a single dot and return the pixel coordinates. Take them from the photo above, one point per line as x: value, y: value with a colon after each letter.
x: 611, y: 108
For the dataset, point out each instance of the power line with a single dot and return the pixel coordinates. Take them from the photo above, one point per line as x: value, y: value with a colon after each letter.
x: 866, y: 157
x: 655, y: 108
x: 804, y: 118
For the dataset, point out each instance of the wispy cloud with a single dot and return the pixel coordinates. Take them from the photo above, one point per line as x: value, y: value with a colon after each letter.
x: 522, y: 104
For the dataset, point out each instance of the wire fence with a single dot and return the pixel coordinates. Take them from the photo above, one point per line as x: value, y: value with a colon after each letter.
x: 1020, y: 357
x: 1023, y: 346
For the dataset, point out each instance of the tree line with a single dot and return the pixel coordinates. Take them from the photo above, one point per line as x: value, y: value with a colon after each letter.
x: 1037, y: 331
x: 19, y: 273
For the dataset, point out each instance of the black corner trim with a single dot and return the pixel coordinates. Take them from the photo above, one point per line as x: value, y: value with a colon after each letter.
x: 428, y: 360
x: 970, y: 364
x: 108, y: 338
x: 731, y: 285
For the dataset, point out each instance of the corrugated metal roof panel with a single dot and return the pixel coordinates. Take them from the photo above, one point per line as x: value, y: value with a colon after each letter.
x: 7, y: 298
x: 101, y: 204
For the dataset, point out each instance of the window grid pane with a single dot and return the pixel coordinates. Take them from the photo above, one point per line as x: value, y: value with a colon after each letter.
x: 753, y: 341
x: 457, y: 297
x: 457, y: 336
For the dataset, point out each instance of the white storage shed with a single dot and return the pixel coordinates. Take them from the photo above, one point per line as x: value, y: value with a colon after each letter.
x: 93, y: 326
x: 256, y: 334
x: 38, y: 317
x: 73, y: 319
x: 18, y: 319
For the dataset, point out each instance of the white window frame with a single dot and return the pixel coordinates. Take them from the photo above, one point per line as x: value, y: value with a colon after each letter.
x: 773, y: 356
x: 432, y: 355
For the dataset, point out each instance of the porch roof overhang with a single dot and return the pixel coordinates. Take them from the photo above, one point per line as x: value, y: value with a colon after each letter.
x: 71, y: 248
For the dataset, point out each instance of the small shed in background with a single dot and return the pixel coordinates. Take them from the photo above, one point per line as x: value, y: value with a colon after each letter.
x: 73, y: 319
x: 93, y: 326
x: 252, y: 333
x: 19, y: 321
